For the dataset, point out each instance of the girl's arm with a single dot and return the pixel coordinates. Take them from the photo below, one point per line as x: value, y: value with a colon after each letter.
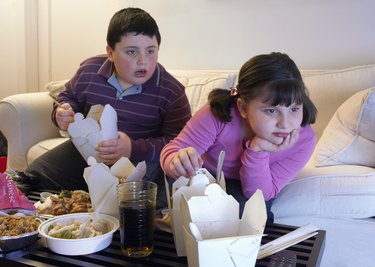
x: 259, y: 171
x: 199, y: 132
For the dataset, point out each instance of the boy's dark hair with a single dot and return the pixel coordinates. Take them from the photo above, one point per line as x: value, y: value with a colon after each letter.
x: 131, y: 20
x: 274, y: 79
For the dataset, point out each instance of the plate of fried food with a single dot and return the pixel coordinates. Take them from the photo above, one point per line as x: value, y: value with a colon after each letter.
x: 66, y: 202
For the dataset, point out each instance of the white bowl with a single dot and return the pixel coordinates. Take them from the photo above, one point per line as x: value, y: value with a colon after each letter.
x: 74, y: 247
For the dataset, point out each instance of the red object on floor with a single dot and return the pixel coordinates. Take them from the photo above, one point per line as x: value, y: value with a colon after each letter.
x: 3, y: 164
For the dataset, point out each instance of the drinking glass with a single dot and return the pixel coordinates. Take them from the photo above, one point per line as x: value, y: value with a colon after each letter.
x: 137, y: 201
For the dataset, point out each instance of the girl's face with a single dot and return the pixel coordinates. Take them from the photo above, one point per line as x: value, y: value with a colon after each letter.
x: 135, y: 58
x: 272, y: 123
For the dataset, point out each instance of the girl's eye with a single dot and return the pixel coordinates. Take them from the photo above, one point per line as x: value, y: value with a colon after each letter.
x: 271, y: 111
x: 295, y: 109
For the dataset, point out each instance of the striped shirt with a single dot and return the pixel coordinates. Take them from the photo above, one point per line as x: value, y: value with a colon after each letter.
x: 150, y: 118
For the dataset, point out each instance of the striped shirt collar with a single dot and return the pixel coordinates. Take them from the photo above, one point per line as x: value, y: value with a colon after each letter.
x: 108, y: 68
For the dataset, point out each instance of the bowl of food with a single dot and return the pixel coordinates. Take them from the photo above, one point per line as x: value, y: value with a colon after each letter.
x: 78, y: 233
x: 18, y: 229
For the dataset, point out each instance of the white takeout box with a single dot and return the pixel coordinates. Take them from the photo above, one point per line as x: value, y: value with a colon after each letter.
x: 194, y: 186
x: 215, y: 235
x: 87, y: 132
x: 102, y: 182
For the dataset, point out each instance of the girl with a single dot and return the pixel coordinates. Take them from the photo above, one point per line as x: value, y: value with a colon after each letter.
x: 263, y: 125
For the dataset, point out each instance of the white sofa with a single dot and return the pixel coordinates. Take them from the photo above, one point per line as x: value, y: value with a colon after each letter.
x: 338, y: 196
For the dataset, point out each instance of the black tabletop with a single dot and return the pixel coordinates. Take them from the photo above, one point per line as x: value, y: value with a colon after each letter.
x: 308, y: 252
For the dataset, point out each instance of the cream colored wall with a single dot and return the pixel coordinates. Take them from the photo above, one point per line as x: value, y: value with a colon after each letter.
x: 12, y: 73
x: 222, y: 34
x: 196, y: 34
x: 19, y: 47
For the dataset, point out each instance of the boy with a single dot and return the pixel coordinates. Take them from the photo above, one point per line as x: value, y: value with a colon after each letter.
x: 151, y: 105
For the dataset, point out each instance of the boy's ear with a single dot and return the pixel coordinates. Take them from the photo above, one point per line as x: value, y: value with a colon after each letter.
x: 242, y: 108
x: 109, y: 53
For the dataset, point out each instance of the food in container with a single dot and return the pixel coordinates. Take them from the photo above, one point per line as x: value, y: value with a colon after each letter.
x: 18, y: 229
x: 77, y: 244
x: 75, y: 201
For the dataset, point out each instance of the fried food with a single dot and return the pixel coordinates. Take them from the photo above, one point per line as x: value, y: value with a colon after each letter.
x: 165, y: 221
x: 13, y: 226
x: 66, y: 202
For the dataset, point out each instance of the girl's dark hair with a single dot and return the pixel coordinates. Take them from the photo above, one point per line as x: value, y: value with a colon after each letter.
x: 274, y: 79
x: 131, y: 20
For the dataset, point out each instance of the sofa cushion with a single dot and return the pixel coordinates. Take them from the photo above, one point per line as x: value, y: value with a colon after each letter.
x: 54, y: 88
x: 42, y: 147
x: 349, y: 138
x: 342, y: 191
x: 330, y: 88
x: 198, y: 88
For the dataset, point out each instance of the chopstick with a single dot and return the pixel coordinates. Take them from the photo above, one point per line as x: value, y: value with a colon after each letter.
x: 57, y: 103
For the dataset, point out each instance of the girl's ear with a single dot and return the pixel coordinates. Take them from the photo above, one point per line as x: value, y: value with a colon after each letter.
x: 109, y: 53
x: 242, y: 108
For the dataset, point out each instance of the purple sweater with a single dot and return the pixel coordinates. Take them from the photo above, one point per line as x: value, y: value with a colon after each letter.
x: 267, y: 171
x: 150, y: 118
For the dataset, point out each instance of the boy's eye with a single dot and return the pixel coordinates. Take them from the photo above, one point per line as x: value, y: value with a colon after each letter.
x: 150, y: 52
x: 131, y: 52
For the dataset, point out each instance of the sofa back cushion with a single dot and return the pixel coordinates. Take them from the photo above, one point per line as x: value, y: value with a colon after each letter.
x: 330, y: 88
x: 198, y: 84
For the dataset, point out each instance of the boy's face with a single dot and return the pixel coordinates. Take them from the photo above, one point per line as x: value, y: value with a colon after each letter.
x: 135, y: 58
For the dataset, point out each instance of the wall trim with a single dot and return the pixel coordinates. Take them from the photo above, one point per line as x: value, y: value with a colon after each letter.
x: 31, y: 45
x: 44, y: 43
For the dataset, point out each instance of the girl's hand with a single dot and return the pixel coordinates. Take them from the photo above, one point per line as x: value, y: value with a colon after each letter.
x: 64, y: 116
x: 110, y: 151
x: 258, y: 144
x: 185, y: 163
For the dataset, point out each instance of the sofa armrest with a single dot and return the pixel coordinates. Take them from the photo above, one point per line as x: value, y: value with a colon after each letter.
x: 24, y: 121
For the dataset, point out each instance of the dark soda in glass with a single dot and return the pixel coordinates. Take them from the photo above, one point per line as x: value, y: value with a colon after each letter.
x: 137, y: 227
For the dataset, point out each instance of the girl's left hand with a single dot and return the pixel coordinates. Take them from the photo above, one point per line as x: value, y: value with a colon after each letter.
x: 110, y: 151
x: 258, y: 144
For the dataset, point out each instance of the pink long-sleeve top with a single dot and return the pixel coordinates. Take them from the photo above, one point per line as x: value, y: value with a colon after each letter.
x: 267, y: 171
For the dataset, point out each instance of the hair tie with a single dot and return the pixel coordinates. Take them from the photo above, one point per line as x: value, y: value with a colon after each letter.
x: 233, y: 91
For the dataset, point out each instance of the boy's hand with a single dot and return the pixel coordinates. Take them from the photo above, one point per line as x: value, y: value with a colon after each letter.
x: 259, y: 144
x: 185, y: 163
x: 110, y: 151
x: 64, y: 116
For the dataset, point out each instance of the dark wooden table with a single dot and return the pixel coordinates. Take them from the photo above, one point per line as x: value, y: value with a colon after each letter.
x: 308, y: 252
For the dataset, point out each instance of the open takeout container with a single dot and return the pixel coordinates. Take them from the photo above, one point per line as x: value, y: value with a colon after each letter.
x: 12, y: 243
x: 100, y: 124
x: 102, y: 182
x: 215, y: 235
x: 195, y: 186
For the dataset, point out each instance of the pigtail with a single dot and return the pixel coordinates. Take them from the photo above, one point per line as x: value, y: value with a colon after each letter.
x: 221, y: 101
